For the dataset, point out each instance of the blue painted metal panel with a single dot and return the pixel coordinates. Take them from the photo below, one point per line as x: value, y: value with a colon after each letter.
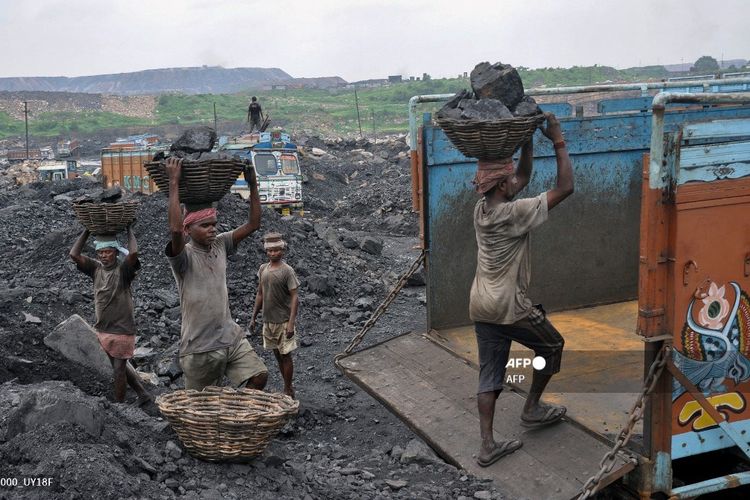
x: 620, y: 105
x: 716, y: 129
x: 714, y: 154
x: 689, y: 444
x: 560, y: 109
x: 596, y: 134
x: 599, y: 225
x: 710, y: 486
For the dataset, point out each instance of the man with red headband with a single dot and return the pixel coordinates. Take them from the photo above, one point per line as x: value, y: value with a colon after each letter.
x: 212, y: 344
x: 498, y: 304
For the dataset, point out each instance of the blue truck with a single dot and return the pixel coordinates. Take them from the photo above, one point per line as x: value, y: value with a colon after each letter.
x: 276, y: 162
x: 645, y: 271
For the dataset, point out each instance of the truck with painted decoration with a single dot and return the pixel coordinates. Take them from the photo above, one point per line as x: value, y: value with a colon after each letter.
x: 645, y: 271
x: 276, y: 162
x: 122, y: 163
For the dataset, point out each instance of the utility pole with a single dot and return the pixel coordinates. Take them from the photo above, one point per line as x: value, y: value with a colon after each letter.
x: 356, y: 103
x: 26, y: 120
x: 215, y: 129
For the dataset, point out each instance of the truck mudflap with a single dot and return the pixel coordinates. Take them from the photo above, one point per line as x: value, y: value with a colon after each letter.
x: 431, y: 390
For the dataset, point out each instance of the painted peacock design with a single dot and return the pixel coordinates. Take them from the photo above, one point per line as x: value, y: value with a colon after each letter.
x: 717, y: 346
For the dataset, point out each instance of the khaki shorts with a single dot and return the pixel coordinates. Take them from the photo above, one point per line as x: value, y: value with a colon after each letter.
x: 274, y: 337
x: 239, y: 363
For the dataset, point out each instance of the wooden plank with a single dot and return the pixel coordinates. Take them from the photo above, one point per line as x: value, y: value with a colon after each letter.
x: 433, y: 392
x: 596, y: 384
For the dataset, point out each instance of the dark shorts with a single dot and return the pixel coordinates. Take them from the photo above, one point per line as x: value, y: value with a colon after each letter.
x: 493, y: 342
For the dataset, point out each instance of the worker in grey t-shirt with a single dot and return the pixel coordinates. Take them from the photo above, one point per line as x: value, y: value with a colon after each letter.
x: 212, y: 344
x: 498, y: 305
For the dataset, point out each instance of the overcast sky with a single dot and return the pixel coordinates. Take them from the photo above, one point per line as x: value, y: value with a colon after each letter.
x: 360, y: 39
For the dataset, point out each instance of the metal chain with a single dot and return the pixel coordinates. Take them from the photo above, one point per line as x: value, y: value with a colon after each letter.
x: 591, y: 486
x: 382, y: 307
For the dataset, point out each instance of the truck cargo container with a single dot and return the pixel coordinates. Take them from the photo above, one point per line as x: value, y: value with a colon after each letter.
x: 645, y: 271
x: 124, y: 167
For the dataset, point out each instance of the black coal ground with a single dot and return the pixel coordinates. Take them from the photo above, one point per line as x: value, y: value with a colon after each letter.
x: 343, y: 444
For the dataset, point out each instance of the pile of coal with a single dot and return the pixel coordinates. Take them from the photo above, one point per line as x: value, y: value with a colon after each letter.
x: 101, y: 195
x: 195, y: 140
x: 497, y: 93
x: 196, y: 144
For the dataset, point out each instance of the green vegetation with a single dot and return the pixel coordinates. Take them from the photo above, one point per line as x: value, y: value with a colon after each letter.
x: 311, y: 110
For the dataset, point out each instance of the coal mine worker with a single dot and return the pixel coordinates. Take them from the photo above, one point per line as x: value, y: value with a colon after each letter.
x: 498, y: 304
x: 212, y: 344
x: 277, y: 296
x: 254, y: 114
x: 113, y: 306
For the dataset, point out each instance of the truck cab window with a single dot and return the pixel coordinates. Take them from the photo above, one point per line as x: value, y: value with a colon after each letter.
x: 289, y: 165
x: 265, y: 164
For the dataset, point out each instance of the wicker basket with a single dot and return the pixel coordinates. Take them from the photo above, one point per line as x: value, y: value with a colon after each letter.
x: 203, y: 181
x: 490, y: 140
x: 105, y: 218
x: 219, y: 423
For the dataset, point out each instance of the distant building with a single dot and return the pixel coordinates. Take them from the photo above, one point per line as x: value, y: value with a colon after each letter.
x: 375, y: 82
x: 394, y: 79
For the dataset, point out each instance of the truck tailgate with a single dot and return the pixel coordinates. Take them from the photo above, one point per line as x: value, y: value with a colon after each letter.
x: 433, y: 392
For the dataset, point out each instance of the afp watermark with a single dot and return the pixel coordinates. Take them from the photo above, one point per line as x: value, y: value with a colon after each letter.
x: 516, y: 367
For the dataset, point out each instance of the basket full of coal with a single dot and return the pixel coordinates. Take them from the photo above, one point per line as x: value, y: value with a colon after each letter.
x: 493, y: 120
x: 206, y: 175
x: 105, y: 212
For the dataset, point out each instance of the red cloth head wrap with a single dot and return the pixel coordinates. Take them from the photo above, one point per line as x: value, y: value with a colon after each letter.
x: 492, y: 173
x: 197, y: 216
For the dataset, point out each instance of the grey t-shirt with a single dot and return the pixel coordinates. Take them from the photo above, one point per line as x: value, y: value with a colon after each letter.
x: 276, y: 283
x: 113, y: 302
x: 498, y: 293
x: 201, y: 277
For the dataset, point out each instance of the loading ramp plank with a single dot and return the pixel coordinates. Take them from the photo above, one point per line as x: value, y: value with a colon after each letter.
x: 433, y: 391
x: 602, y: 365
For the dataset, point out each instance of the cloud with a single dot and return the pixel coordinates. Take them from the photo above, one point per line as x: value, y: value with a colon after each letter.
x: 362, y: 39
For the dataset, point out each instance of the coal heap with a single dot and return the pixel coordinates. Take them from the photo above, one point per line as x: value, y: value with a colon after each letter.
x: 497, y: 93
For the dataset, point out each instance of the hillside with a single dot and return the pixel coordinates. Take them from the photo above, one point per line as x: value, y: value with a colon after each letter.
x: 326, y: 110
x: 199, y: 80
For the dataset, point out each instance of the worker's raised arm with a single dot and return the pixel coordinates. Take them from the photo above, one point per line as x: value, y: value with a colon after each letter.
x: 174, y: 214
x: 523, y: 172
x: 564, y: 185
x: 253, y: 216
x: 132, y: 258
x: 75, y: 252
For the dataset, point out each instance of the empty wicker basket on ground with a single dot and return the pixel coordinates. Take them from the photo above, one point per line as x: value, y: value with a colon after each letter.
x: 219, y: 423
x: 106, y: 218
x: 490, y: 140
x: 203, y: 181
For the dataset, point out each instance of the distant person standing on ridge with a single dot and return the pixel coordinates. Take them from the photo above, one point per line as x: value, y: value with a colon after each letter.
x: 254, y: 113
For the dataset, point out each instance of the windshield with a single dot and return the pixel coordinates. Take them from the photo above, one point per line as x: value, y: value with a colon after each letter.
x: 265, y: 164
x: 289, y: 165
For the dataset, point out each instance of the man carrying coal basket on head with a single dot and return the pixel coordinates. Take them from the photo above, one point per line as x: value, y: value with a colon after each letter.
x: 212, y: 345
x: 498, y: 305
x: 113, y: 305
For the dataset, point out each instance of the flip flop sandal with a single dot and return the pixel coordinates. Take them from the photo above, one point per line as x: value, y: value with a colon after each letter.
x: 501, y: 450
x: 552, y: 415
